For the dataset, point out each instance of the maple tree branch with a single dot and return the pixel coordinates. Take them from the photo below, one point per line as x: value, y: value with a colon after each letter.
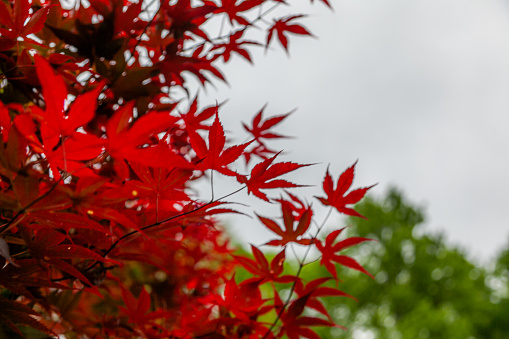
x: 222, y: 25
x: 212, y: 186
x: 295, y: 253
x: 299, y: 270
x: 157, y: 223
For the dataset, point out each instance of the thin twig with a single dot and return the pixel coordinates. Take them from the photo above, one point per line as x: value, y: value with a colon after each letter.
x: 222, y: 37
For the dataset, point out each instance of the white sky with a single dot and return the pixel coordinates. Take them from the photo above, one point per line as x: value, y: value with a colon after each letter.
x: 417, y: 90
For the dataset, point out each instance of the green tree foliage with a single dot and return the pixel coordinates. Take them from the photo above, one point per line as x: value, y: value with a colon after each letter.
x: 423, y: 287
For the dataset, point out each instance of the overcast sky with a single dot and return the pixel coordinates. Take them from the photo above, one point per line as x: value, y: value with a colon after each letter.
x: 417, y: 90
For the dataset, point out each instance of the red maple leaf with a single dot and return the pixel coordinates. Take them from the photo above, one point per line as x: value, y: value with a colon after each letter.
x: 232, y: 7
x: 129, y: 140
x: 243, y: 300
x: 233, y: 45
x: 315, y: 290
x: 337, y: 198
x: 296, y: 325
x: 289, y: 234
x: 20, y: 22
x: 214, y: 156
x: 260, y: 131
x: 195, y: 121
x: 281, y: 26
x: 296, y: 205
x: 186, y: 18
x: 260, y: 128
x: 64, y: 146
x: 261, y: 269
x: 263, y: 176
x: 138, y: 309
x: 58, y: 122
x: 329, y: 256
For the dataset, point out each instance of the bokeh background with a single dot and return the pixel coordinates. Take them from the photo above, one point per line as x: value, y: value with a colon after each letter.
x: 417, y: 91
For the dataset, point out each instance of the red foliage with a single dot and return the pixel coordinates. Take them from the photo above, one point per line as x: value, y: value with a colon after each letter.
x: 281, y: 26
x: 337, y: 197
x: 101, y: 235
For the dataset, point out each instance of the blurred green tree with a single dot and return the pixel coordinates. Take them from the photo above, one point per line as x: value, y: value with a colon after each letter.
x: 423, y: 287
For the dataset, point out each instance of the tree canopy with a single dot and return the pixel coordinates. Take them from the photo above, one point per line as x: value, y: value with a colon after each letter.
x: 101, y: 232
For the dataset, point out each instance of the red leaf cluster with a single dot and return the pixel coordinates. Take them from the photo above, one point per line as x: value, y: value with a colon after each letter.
x: 101, y: 232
